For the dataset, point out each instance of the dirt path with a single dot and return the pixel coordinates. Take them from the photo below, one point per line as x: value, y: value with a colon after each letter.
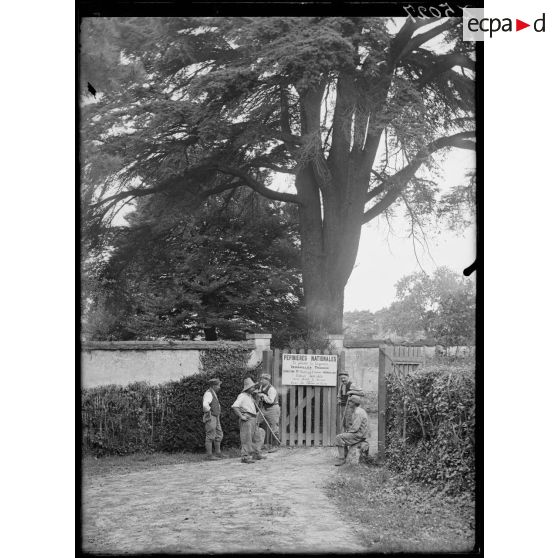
x: 276, y: 505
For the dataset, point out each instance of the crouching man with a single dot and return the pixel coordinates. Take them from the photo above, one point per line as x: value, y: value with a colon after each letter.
x: 355, y: 433
x: 251, y: 439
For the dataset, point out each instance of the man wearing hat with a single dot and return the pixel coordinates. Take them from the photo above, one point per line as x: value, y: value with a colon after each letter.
x: 342, y: 398
x: 250, y: 435
x: 211, y: 419
x: 346, y: 389
x: 270, y: 409
x: 356, y: 432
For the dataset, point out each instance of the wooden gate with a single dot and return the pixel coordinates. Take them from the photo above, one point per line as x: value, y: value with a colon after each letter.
x: 404, y: 358
x: 308, y: 413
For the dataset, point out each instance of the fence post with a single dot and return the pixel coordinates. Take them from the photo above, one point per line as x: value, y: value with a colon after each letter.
x: 267, y: 364
x: 381, y: 403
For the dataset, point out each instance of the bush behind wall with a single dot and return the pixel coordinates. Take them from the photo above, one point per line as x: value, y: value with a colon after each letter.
x: 439, y: 443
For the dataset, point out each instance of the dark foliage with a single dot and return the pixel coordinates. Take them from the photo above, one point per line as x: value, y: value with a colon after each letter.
x: 437, y: 405
x: 232, y: 266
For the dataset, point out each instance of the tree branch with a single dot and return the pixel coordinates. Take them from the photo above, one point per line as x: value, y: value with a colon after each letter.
x: 414, y: 42
x: 399, y: 181
x: 257, y: 186
x: 275, y: 168
x: 342, y: 120
x: 135, y: 192
x: 285, y: 119
x: 405, y: 33
x: 443, y: 64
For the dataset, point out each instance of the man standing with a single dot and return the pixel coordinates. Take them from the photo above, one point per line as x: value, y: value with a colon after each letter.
x: 355, y: 433
x: 342, y: 397
x: 270, y: 409
x: 211, y: 419
x: 250, y: 434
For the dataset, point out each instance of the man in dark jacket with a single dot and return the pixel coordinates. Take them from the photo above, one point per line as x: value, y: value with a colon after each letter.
x: 211, y: 419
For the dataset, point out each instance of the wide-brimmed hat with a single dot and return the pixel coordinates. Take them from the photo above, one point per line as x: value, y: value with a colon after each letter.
x: 248, y: 383
x: 215, y: 382
x: 265, y: 376
x: 354, y: 399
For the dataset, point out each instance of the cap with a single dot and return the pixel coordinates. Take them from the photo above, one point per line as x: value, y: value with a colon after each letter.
x: 215, y: 382
x: 354, y: 399
x: 266, y: 376
x: 343, y: 373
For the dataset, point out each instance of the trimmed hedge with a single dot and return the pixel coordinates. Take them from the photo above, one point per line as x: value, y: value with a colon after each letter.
x: 140, y: 417
x: 439, y: 443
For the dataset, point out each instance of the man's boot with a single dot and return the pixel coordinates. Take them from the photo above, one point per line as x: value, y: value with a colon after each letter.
x: 218, y: 450
x: 209, y: 451
x: 340, y: 456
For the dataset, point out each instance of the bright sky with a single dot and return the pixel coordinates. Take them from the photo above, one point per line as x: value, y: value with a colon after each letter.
x: 382, y: 260
x: 381, y: 263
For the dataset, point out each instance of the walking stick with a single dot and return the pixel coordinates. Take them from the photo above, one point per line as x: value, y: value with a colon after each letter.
x: 268, y: 425
x: 343, y: 419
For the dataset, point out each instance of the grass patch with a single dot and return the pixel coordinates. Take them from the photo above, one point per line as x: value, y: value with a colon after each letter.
x: 399, y: 516
x: 123, y: 464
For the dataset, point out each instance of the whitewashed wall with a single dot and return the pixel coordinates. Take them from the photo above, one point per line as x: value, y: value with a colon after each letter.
x: 125, y: 362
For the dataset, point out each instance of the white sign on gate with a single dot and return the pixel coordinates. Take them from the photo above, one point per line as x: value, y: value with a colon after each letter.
x: 309, y: 370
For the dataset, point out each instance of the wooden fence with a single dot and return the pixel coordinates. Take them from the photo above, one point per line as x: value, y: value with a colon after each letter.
x: 400, y: 359
x: 308, y: 413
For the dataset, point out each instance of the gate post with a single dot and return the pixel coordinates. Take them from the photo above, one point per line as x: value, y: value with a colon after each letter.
x: 336, y: 341
x: 261, y: 343
x: 267, y: 363
x: 381, y: 403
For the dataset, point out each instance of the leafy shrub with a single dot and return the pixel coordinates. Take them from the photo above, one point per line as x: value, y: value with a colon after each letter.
x: 168, y: 417
x: 314, y: 339
x: 435, y: 408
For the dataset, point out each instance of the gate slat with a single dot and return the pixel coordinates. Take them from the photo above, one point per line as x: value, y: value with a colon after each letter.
x: 292, y: 408
x: 317, y: 425
x: 325, y: 415
x: 333, y: 403
x: 300, y: 425
x: 309, y: 397
x: 278, y: 370
x: 319, y: 433
x: 326, y: 404
x: 333, y: 407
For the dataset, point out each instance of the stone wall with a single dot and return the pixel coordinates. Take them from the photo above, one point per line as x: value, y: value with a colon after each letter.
x: 155, y: 362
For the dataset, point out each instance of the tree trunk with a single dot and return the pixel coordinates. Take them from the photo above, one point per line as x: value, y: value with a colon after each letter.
x: 324, y: 306
x: 332, y: 193
x: 329, y: 245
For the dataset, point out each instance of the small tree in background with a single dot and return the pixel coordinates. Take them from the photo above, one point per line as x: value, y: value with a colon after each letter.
x: 360, y: 323
x: 440, y: 307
